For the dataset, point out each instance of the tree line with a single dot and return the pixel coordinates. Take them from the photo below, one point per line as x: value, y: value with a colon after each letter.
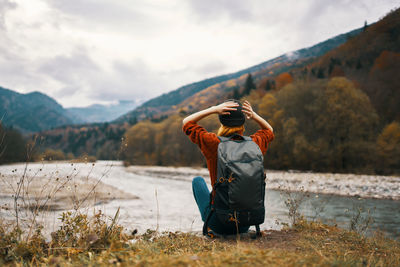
x: 326, y: 125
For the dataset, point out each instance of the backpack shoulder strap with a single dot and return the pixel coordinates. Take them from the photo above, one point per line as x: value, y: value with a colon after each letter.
x: 206, y: 230
x: 258, y: 232
x: 223, y: 138
x: 247, y: 138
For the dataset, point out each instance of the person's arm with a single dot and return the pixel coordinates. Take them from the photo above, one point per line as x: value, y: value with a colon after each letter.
x: 221, y: 109
x: 250, y: 114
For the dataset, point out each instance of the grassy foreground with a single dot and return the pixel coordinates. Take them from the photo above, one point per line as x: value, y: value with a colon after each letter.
x: 92, y: 241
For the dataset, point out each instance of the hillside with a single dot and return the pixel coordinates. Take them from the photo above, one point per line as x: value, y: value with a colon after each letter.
x: 32, y: 112
x: 165, y: 102
x: 372, y: 59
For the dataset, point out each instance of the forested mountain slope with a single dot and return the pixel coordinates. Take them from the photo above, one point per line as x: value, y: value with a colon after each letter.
x: 336, y: 113
x: 372, y: 60
x: 32, y: 112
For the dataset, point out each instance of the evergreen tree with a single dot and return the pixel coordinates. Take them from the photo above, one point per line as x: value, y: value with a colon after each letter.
x: 365, y: 26
x: 268, y: 86
x: 236, y: 94
x: 249, y: 85
x: 133, y: 120
x: 359, y: 65
x: 320, y: 74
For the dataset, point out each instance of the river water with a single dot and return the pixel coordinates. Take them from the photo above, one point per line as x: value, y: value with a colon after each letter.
x: 168, y: 205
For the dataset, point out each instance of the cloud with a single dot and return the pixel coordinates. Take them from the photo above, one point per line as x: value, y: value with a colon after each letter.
x: 80, y: 77
x: 72, y: 68
x: 211, y: 68
x: 129, y: 81
x: 292, y: 55
x: 213, y: 10
x: 88, y: 51
x: 5, y: 6
x: 106, y: 15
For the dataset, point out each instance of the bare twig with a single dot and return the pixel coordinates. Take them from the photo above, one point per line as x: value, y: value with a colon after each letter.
x: 93, y: 188
x: 158, y: 211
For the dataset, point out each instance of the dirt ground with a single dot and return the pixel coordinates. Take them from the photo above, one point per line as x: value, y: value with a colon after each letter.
x: 284, y: 239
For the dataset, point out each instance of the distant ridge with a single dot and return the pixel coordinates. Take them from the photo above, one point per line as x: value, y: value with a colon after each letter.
x: 102, y: 113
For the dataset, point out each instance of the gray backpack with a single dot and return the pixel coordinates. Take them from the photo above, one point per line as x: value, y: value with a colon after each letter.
x: 240, y: 185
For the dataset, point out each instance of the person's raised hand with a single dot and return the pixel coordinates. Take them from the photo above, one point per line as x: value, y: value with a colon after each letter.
x: 247, y: 110
x: 226, y: 107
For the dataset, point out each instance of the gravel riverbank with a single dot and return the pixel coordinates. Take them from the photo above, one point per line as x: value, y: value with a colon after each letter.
x: 365, y: 186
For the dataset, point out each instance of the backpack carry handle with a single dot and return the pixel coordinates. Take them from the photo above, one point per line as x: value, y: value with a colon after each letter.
x: 231, y: 138
x: 236, y: 135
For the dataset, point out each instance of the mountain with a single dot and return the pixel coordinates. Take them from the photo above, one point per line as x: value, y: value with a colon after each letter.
x: 165, y: 102
x: 104, y: 140
x: 102, y: 113
x: 32, y: 112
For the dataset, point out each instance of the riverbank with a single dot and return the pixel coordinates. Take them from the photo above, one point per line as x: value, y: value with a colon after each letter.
x: 364, y: 186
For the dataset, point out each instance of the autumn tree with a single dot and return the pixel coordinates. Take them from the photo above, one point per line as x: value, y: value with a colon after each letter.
x: 283, y: 79
x: 269, y: 109
x: 140, y: 142
x: 382, y: 85
x: 324, y: 125
x: 388, y: 149
x: 349, y: 123
x: 161, y: 143
x: 12, y: 146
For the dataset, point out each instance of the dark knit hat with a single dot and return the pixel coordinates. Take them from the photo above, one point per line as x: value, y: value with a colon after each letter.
x: 235, y: 118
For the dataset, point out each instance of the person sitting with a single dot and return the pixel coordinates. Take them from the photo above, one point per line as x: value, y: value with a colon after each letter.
x: 232, y: 116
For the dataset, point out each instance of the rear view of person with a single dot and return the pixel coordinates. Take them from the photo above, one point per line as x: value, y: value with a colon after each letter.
x: 235, y: 163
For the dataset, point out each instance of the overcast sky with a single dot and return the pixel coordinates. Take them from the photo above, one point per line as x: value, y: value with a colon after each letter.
x: 82, y: 52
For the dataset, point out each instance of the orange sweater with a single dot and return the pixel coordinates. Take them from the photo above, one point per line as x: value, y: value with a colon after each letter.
x: 208, y: 143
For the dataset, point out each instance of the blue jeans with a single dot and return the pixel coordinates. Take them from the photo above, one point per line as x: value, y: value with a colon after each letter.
x: 202, y: 197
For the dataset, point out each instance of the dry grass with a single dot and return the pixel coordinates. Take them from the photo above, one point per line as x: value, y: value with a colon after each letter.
x: 101, y: 242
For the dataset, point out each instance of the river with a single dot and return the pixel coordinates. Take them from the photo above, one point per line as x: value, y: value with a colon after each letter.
x: 168, y: 205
